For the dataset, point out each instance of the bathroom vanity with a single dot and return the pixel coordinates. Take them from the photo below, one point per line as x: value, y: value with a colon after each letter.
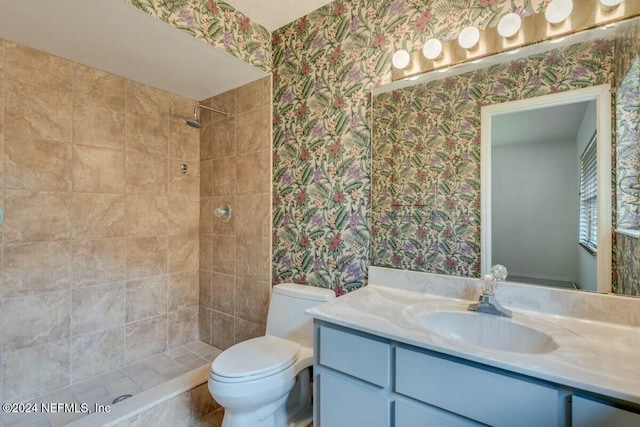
x: 412, y: 355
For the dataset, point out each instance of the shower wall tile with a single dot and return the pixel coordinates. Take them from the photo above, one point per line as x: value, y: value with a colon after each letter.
x: 206, y: 215
x: 224, y: 254
x: 146, y: 173
x: 183, y: 216
x: 183, y: 254
x: 180, y: 108
x: 254, y: 172
x: 98, y: 170
x: 37, y: 112
x: 99, y: 125
x: 245, y: 330
x: 145, y: 298
x: 34, y: 67
x: 36, y: 267
x: 225, y: 101
x: 45, y: 313
x: 206, y: 137
x: 147, y: 133
x: 182, y: 326
x: 34, y: 371
x: 97, y: 307
x: 223, y: 293
x: 222, y: 330
x: 223, y: 138
x: 253, y: 218
x: 143, y: 99
x: 36, y: 216
x: 204, y: 293
x: 206, y: 178
x: 184, y: 141
x: 145, y: 338
x: 183, y: 290
x: 98, y: 261
x: 254, y: 132
x: 98, y: 216
x: 254, y: 95
x: 204, y: 323
x: 224, y: 176
x: 252, y: 260
x: 91, y: 85
x: 206, y: 252
x: 252, y: 300
x: 146, y: 215
x: 184, y: 183
x: 97, y: 353
x: 37, y: 165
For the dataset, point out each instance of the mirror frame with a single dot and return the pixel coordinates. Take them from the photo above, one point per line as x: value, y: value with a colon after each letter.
x: 602, y: 96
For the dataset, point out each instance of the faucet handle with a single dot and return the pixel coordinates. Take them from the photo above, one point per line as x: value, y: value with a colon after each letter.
x: 499, y: 271
x: 488, y: 284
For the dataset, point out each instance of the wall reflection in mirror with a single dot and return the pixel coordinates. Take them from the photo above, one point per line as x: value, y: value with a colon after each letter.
x: 427, y: 157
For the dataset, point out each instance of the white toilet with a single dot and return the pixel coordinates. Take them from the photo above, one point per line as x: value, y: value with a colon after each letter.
x: 264, y: 381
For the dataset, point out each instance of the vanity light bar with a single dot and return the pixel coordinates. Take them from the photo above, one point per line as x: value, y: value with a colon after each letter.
x: 585, y: 14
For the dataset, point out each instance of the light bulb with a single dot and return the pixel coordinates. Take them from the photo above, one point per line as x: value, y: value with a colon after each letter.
x: 469, y: 37
x: 509, y: 25
x: 401, y: 59
x: 558, y: 11
x: 432, y: 49
x: 609, y: 5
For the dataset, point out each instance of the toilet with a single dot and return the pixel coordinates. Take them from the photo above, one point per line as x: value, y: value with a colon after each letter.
x: 265, y: 381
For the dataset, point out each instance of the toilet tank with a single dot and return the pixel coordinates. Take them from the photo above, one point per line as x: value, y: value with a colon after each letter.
x: 286, y: 318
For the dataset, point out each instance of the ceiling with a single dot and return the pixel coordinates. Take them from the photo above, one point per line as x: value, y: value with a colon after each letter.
x: 548, y: 124
x: 113, y: 36
x: 273, y: 14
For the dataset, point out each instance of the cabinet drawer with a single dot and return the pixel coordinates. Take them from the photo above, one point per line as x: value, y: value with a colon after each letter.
x: 410, y: 414
x: 589, y: 413
x: 364, y: 358
x: 475, y: 393
x: 345, y: 404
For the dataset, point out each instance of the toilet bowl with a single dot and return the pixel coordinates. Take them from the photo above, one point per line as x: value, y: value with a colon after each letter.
x: 265, y: 381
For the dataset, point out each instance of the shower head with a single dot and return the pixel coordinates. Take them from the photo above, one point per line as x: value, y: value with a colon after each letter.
x: 194, y: 122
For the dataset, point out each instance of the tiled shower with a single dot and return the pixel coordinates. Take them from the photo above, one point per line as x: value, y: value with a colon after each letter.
x: 109, y: 254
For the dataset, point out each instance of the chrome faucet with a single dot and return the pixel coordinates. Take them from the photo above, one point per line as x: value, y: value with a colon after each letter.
x: 487, y: 302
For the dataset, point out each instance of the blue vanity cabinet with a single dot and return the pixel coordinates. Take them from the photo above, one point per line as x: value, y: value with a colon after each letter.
x: 363, y: 380
x: 587, y: 412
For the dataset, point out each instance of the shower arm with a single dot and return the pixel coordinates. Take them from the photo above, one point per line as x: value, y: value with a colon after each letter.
x: 215, y: 110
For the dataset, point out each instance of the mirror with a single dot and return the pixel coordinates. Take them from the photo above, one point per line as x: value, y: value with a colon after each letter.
x: 534, y: 153
x: 426, y: 165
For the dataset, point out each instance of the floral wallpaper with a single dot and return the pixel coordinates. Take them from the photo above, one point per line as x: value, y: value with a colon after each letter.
x: 628, y: 158
x: 627, y: 126
x: 426, y: 154
x: 628, y: 265
x: 217, y: 23
x: 325, y: 65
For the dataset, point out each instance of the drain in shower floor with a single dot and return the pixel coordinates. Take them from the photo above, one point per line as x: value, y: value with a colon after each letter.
x: 121, y: 398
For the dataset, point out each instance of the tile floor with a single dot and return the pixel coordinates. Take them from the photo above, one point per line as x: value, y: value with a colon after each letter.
x: 103, y: 389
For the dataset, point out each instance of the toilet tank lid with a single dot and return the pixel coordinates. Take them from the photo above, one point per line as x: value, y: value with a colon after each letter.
x: 304, y: 292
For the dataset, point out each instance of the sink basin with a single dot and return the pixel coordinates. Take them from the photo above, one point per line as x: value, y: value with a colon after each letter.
x: 485, y: 330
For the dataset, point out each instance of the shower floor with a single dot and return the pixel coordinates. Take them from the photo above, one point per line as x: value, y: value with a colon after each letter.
x: 104, y: 389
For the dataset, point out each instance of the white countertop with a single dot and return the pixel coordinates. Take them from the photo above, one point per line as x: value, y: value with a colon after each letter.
x: 596, y: 356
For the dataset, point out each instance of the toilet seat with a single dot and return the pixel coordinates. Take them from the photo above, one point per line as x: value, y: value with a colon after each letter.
x: 254, y: 359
